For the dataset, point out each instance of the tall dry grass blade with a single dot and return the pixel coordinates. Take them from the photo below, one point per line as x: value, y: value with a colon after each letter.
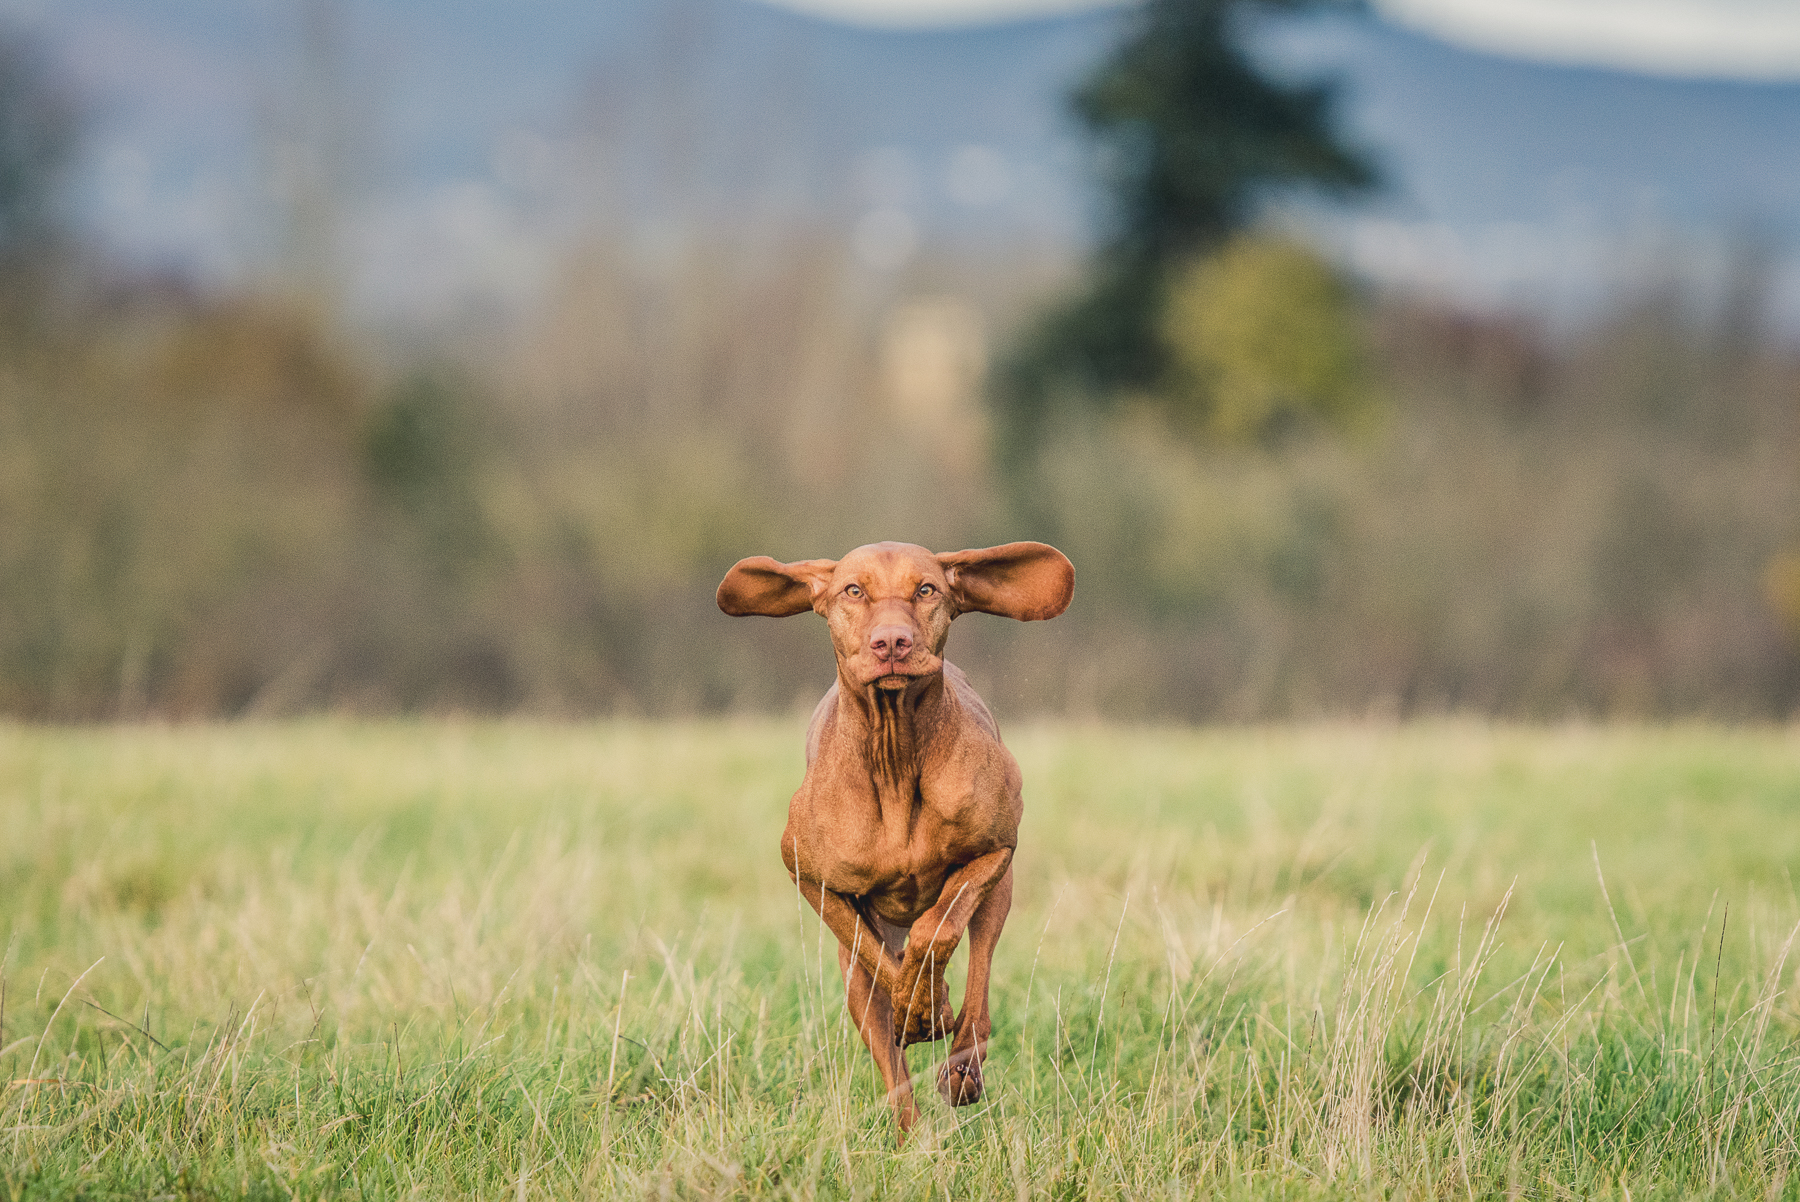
x: 31, y: 1070
x: 1618, y: 931
x: 1105, y: 986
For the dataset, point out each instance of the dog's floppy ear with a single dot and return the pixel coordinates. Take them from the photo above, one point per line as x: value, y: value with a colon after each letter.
x: 1027, y: 581
x: 760, y: 585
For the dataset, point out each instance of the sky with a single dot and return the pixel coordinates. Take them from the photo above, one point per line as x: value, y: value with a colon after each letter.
x: 1729, y: 39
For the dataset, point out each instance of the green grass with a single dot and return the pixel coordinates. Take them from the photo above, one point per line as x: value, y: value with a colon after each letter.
x: 475, y: 960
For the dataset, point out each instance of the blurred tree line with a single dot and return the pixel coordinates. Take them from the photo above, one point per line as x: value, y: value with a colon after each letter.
x: 1284, y: 495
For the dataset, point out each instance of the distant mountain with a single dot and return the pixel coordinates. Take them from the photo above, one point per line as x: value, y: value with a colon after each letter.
x: 1510, y: 180
x: 1547, y: 185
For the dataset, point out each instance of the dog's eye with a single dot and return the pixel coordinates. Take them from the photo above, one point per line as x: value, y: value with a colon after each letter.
x: 925, y: 590
x: 853, y: 591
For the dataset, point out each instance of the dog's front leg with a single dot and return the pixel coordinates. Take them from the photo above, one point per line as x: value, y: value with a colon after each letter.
x: 921, y: 1003
x: 959, y: 1081
x: 854, y: 935
x: 847, y: 923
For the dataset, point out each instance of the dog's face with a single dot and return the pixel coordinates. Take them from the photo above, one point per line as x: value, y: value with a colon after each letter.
x: 890, y: 605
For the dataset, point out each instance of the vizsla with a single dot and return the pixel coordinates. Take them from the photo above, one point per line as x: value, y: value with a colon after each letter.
x: 902, y: 833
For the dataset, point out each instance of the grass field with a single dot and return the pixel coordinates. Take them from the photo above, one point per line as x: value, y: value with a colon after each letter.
x: 485, y: 960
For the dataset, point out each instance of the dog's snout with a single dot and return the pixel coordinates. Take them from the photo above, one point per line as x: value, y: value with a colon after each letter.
x: 890, y: 642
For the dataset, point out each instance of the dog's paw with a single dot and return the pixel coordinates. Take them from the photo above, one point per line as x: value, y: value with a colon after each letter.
x: 959, y: 1081
x: 927, y: 1021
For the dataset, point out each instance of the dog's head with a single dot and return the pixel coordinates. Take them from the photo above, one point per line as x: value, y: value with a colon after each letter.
x: 890, y: 604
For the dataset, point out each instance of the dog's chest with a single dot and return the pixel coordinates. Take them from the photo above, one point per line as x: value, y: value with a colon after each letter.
x: 885, y: 842
x: 898, y: 887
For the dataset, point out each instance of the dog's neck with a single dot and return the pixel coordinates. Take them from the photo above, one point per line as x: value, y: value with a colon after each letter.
x: 896, y: 726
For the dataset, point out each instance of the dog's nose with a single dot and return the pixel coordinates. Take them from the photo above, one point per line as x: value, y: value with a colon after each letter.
x: 890, y: 642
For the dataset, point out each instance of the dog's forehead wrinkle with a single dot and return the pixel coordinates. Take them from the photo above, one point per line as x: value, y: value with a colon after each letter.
x: 897, y: 566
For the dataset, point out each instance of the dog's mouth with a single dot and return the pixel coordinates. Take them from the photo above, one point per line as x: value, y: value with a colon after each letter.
x: 895, y: 674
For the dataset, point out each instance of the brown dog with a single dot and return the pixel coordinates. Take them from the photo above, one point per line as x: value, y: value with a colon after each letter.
x: 902, y: 833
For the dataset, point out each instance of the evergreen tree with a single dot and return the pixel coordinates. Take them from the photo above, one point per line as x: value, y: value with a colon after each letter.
x: 1193, y: 138
x: 38, y: 130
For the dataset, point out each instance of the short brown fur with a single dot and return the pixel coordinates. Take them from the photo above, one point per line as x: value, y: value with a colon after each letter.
x: 902, y: 833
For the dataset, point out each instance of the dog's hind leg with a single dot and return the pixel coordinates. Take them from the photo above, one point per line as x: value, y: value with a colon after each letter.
x: 874, y: 1017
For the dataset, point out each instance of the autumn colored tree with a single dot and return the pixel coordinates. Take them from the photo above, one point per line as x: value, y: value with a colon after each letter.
x: 1263, y: 336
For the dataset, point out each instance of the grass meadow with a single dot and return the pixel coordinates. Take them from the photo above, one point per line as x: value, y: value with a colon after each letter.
x: 463, y: 959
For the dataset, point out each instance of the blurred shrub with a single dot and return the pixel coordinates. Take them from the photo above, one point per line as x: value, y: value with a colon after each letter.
x: 168, y: 473
x: 1537, y: 529
x: 424, y: 450
x: 1781, y: 589
x: 1263, y: 336
x: 409, y: 442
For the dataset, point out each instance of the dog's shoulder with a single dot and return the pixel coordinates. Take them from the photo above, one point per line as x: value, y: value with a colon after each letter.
x: 815, y: 729
x: 966, y: 697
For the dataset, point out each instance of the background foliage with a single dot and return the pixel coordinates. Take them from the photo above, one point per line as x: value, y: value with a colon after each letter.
x: 1323, y: 500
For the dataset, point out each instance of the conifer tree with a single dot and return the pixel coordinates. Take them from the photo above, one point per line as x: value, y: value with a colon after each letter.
x: 1193, y: 137
x: 38, y: 129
